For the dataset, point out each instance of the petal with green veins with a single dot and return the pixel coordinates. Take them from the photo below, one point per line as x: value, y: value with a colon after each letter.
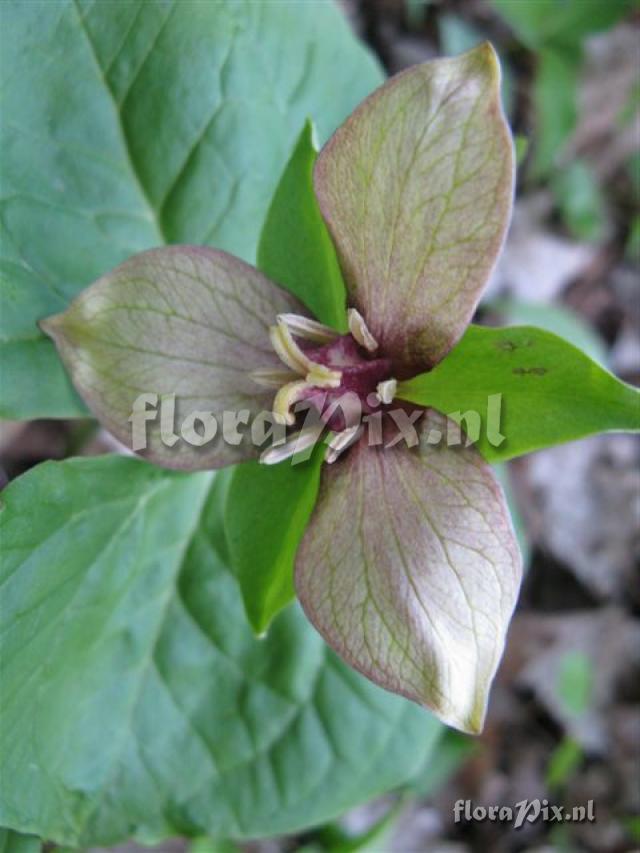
x: 410, y: 570
x: 416, y: 188
x: 182, y: 320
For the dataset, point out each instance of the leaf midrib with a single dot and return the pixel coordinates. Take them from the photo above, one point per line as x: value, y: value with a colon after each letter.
x: 153, y: 213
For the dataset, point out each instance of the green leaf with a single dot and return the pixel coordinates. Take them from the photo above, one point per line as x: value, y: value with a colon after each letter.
x: 148, y: 123
x: 551, y: 392
x: 416, y: 188
x: 521, y: 144
x: 555, y: 96
x: 560, y: 22
x: 295, y: 249
x: 580, y: 200
x: 563, y: 763
x: 179, y: 329
x: 559, y: 319
x: 157, y: 712
x: 450, y: 753
x: 632, y: 247
x: 14, y: 842
x: 373, y: 840
x: 575, y: 682
x: 268, y: 507
x: 210, y: 845
x: 410, y: 570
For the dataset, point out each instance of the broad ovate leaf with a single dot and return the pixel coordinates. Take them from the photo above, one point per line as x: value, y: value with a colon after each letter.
x: 185, y: 326
x: 527, y: 389
x: 295, y: 248
x: 136, y: 700
x: 410, y: 570
x: 416, y: 188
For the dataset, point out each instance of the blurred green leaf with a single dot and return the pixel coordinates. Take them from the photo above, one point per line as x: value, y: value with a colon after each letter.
x: 632, y: 248
x: 209, y: 845
x: 148, y: 123
x: 267, y: 511
x: 632, y: 826
x: 457, y: 35
x: 539, y: 23
x: 295, y: 249
x: 574, y: 684
x: 551, y: 392
x: 15, y: 842
x: 502, y: 473
x: 555, y: 104
x: 416, y: 11
x: 333, y: 838
x: 451, y: 750
x: 633, y: 168
x: 521, y: 144
x: 563, y: 763
x: 580, y: 200
x: 555, y: 30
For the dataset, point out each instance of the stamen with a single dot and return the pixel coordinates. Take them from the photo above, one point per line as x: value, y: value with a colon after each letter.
x: 341, y: 441
x: 309, y: 330
x: 296, y: 443
x: 286, y: 397
x: 359, y: 330
x: 271, y: 377
x: 387, y: 390
x: 290, y: 353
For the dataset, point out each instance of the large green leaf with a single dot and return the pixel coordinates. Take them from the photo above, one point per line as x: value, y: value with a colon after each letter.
x: 268, y: 507
x: 136, y: 699
x: 551, y: 392
x: 295, y: 249
x: 131, y: 124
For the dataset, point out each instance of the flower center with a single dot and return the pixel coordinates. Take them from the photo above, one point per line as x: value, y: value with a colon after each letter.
x: 340, y: 376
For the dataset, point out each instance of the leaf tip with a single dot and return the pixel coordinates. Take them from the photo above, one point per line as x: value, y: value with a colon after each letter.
x: 50, y: 326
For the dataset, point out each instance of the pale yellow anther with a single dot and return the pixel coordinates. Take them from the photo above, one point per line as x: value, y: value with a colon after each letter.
x: 386, y: 390
x: 290, y: 354
x: 359, y: 330
x: 286, y: 398
x: 309, y: 330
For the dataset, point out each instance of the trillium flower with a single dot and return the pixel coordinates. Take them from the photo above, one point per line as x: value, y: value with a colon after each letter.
x: 409, y: 566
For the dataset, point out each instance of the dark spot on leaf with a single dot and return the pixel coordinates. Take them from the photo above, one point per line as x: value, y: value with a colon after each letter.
x: 525, y: 371
x: 509, y: 345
